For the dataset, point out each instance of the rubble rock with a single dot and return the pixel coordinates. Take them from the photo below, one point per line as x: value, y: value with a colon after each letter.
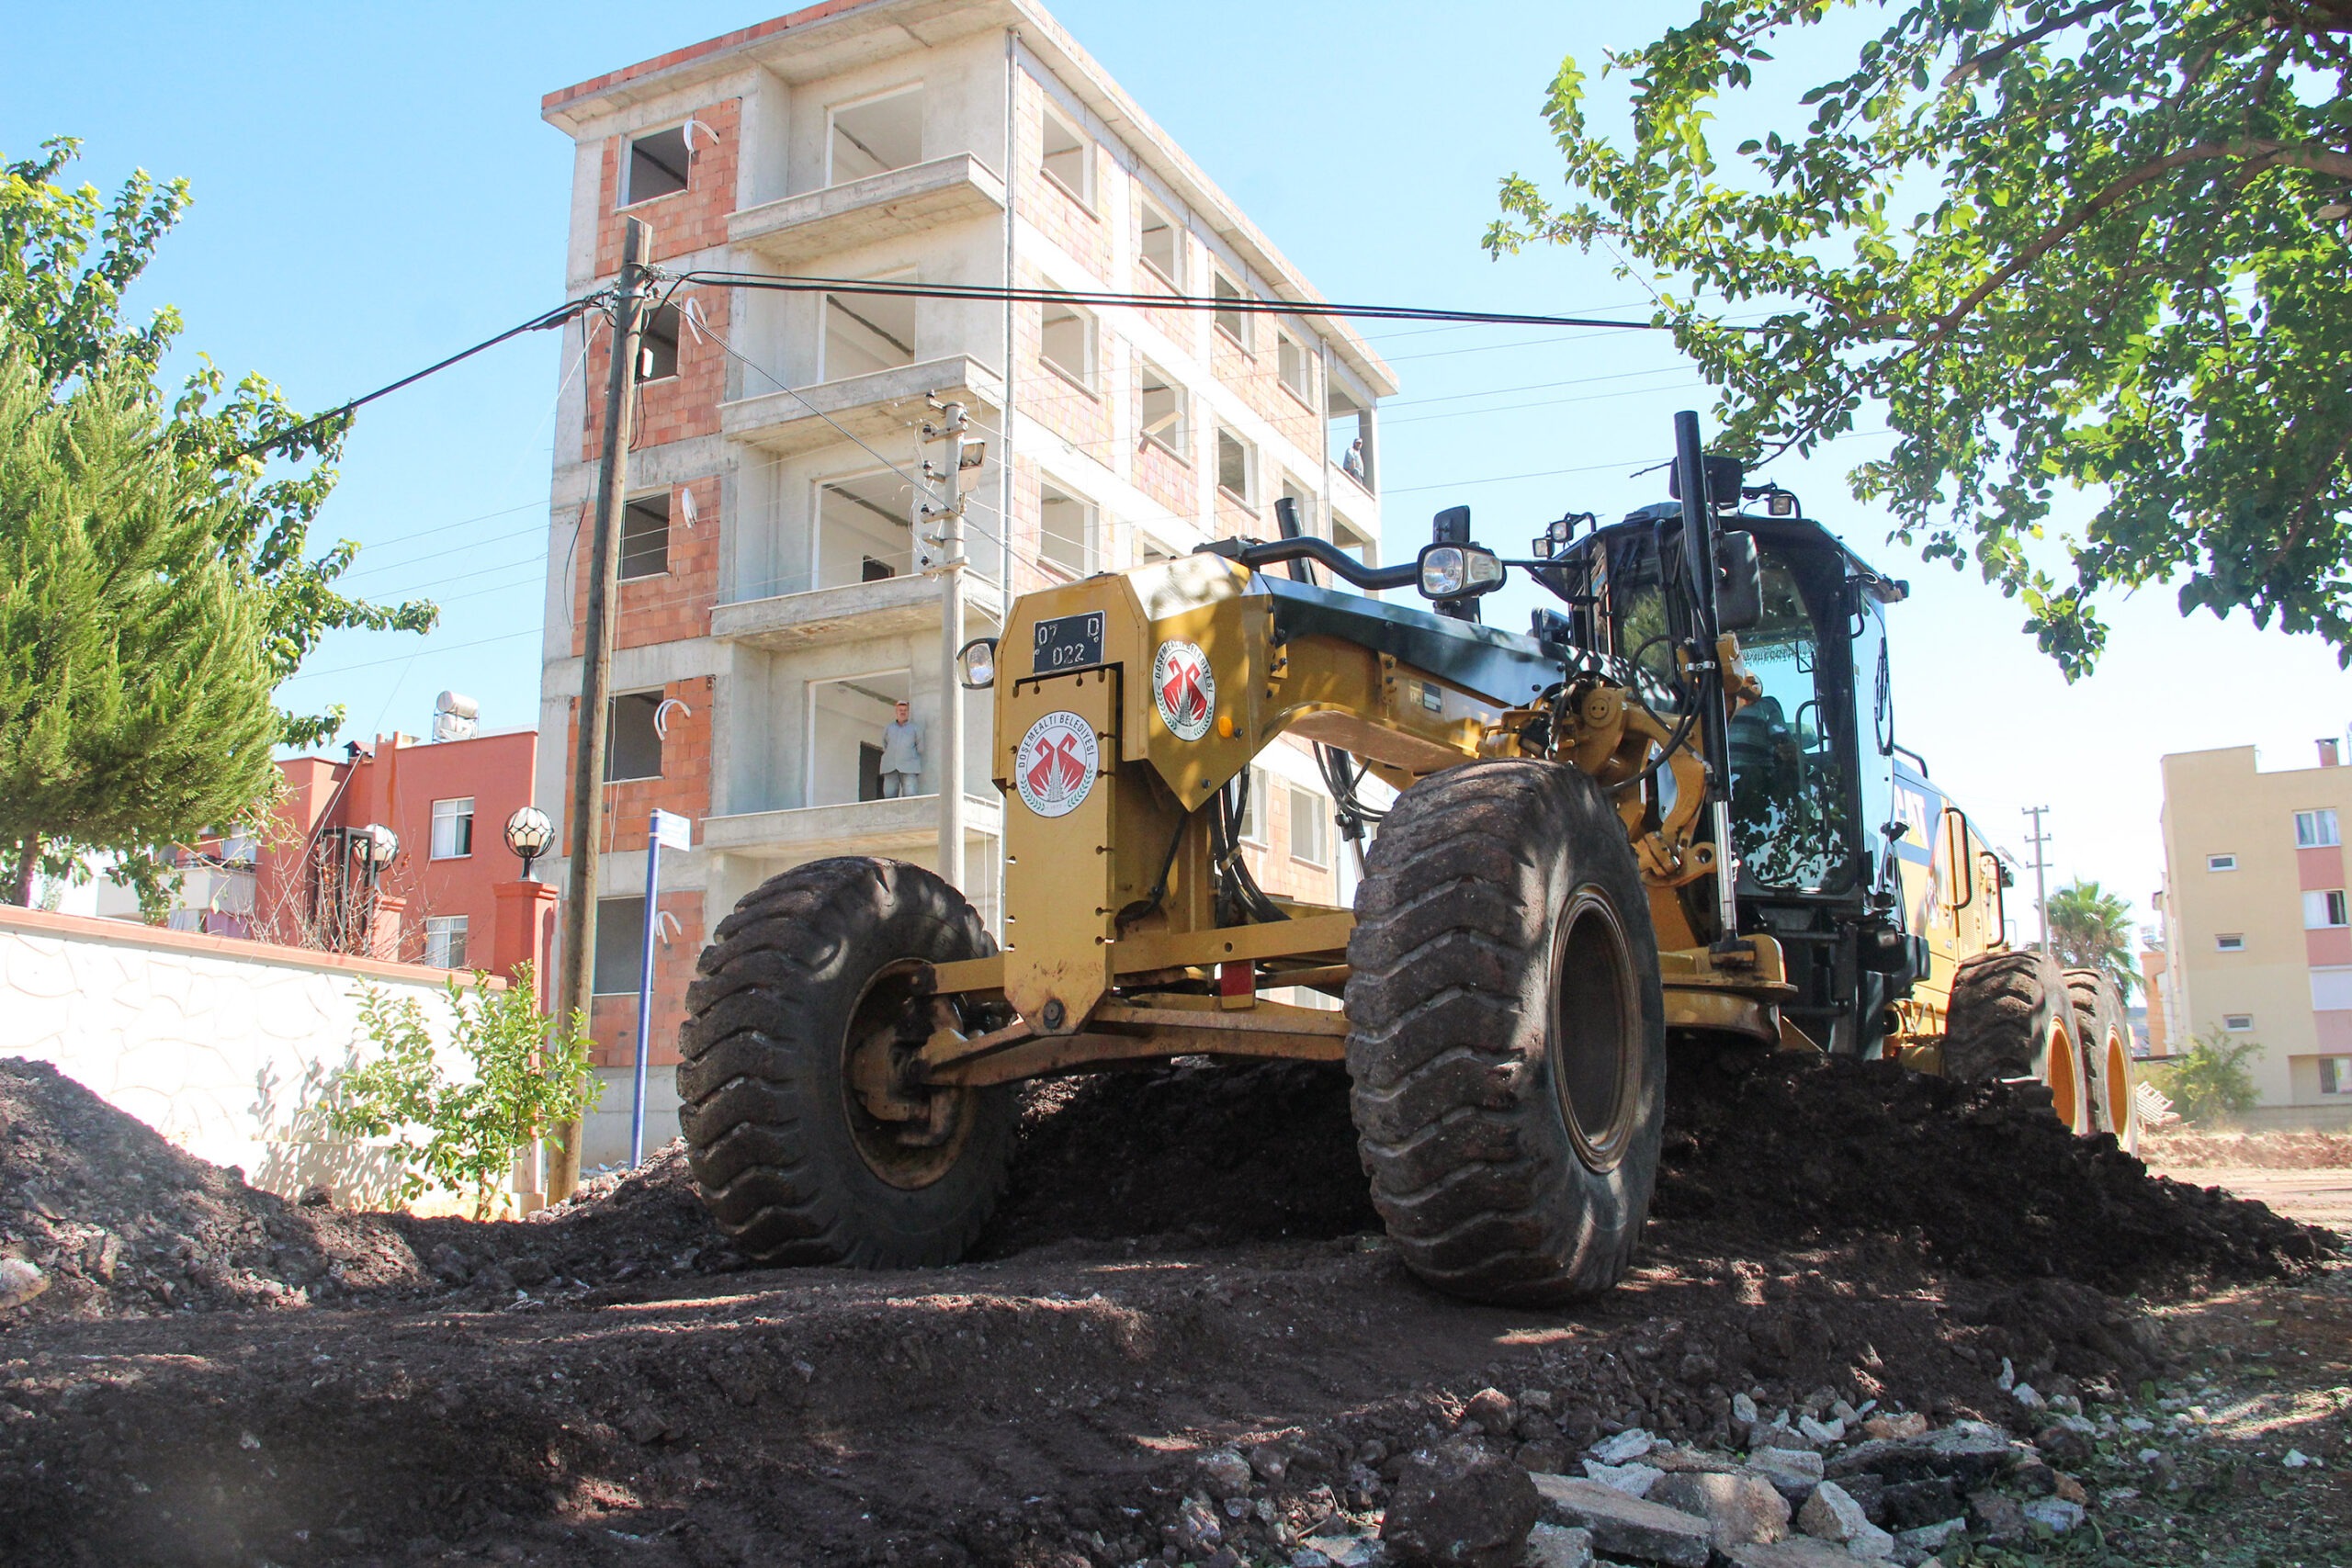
x: 1833, y: 1516
x: 1633, y: 1479
x: 1742, y: 1410
x: 1996, y: 1518
x: 1558, y: 1546
x: 1935, y: 1537
x: 1793, y: 1473
x: 19, y: 1282
x: 1910, y: 1424
x: 1626, y: 1527
x: 1797, y: 1551
x: 1227, y: 1473
x: 1968, y: 1453
x: 2054, y: 1514
x: 1626, y: 1446
x: 1739, y: 1508
x: 1492, y: 1409
x: 1915, y: 1504
x: 1460, y: 1506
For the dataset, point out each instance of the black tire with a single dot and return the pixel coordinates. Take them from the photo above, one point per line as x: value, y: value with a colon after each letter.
x: 2106, y: 1054
x: 2011, y: 1017
x: 787, y: 1159
x: 1507, y: 1034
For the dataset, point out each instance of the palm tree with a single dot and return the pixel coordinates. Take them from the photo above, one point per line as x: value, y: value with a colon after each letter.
x: 2091, y: 928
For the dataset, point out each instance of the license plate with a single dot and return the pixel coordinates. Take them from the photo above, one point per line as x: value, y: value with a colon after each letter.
x: 1068, y: 642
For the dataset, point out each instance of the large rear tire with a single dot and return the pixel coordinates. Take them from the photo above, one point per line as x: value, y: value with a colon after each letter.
x: 1507, y: 1043
x: 2106, y: 1054
x: 788, y: 1161
x: 2011, y: 1017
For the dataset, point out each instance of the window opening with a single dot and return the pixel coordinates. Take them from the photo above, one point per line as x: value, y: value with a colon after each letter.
x: 865, y: 333
x: 1164, y: 245
x: 1235, y: 467
x: 1348, y: 438
x: 2229, y: 941
x: 876, y: 137
x: 1065, y: 531
x: 1066, y: 343
x: 2220, y: 863
x: 1290, y: 365
x: 2324, y: 910
x: 620, y: 945
x: 2238, y: 1023
x: 1253, y: 814
x: 2336, y: 1075
x: 1296, y: 494
x: 849, y: 723
x: 1233, y: 324
x: 2316, y: 830
x: 1309, y: 832
x: 658, y: 165
x: 444, y: 942
x: 453, y: 827
x: 864, y: 532
x: 658, y: 345
x: 1163, y: 410
x: 632, y: 744
x: 1069, y: 160
x: 645, y: 537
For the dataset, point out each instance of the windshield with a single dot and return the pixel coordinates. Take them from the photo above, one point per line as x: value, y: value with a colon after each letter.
x: 1792, y: 798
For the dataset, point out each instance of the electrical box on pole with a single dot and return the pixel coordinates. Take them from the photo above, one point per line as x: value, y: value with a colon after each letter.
x: 939, y: 551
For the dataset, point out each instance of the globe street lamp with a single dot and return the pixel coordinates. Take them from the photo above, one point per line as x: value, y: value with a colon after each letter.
x: 528, y: 832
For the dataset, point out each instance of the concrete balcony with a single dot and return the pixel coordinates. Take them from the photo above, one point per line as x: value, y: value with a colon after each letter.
x: 800, y: 229
x: 893, y: 607
x: 886, y: 405
x: 863, y: 827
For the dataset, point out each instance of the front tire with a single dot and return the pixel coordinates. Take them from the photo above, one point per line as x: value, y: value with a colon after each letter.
x: 2106, y: 1054
x: 788, y: 1161
x: 1507, y: 1044
x: 2012, y: 1017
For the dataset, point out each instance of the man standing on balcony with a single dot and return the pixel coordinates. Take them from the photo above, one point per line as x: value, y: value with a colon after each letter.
x: 901, y: 756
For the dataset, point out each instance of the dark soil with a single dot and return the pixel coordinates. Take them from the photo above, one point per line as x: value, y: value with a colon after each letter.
x: 1185, y: 1260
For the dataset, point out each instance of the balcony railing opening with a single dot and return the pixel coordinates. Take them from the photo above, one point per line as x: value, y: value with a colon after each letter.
x: 864, y: 530
x: 876, y: 136
x: 865, y: 333
x: 848, y: 720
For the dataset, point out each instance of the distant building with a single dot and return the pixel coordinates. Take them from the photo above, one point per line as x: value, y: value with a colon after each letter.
x: 2258, y: 935
x: 774, y: 604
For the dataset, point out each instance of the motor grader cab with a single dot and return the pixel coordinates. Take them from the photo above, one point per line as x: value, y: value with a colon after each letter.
x: 1677, y: 804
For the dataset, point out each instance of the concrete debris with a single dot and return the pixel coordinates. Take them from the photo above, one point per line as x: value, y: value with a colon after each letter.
x: 2008, y: 1378
x: 1633, y: 1479
x: 1833, y: 1516
x: 2054, y: 1514
x: 1740, y: 1509
x: 1630, y: 1444
x: 19, y: 1282
x: 1460, y: 1506
x: 1626, y: 1527
x: 1227, y: 1473
x: 1828, y: 1433
x: 1998, y: 1518
x: 1910, y: 1424
x: 2295, y: 1459
x: 1797, y: 1551
x: 1793, y: 1472
x: 1932, y: 1538
x: 2025, y: 1393
x: 1558, y: 1546
x: 1968, y: 1451
x: 1743, y: 1409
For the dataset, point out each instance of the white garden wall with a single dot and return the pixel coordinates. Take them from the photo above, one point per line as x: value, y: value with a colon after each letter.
x: 220, y: 1045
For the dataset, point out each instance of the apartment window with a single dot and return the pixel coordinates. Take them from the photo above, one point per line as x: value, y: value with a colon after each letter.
x: 1163, y: 410
x: 444, y: 942
x: 453, y: 828
x: 2229, y: 941
x: 866, y: 333
x: 1069, y: 160
x: 1065, y: 531
x: 1236, y: 467
x: 874, y: 137
x: 645, y: 537
x: 1152, y: 552
x: 2332, y: 989
x: 1301, y: 502
x: 658, y: 166
x: 1253, y: 817
x: 1164, y: 245
x: 1290, y: 365
x: 1233, y: 322
x: 2336, y: 1075
x: 849, y: 724
x: 620, y: 945
x: 2220, y: 863
x: 658, y: 345
x: 2316, y: 830
x: 2237, y: 1022
x: 632, y: 744
x: 1066, y: 343
x: 1310, y: 828
x: 863, y: 531
x: 2323, y: 910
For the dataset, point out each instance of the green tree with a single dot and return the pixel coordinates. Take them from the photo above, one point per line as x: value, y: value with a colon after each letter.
x: 2209, y: 1082
x: 525, y: 1081
x: 134, y: 687
x: 2091, y: 928
x: 66, y: 258
x: 2088, y: 242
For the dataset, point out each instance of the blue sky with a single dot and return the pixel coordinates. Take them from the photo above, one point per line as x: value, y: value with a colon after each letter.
x: 374, y: 188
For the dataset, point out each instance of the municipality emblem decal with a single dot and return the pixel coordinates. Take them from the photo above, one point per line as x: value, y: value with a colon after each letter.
x: 1184, y: 689
x: 1056, y: 766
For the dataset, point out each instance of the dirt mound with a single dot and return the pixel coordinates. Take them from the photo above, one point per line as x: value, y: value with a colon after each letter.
x: 2267, y: 1151
x: 1209, y: 1155
x: 122, y: 1224
x: 1777, y: 1150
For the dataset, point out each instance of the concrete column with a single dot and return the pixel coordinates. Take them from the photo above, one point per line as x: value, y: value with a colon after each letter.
x: 384, y: 928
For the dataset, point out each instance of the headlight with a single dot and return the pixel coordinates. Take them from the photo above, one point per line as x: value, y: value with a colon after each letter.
x: 978, y: 659
x: 1459, y: 571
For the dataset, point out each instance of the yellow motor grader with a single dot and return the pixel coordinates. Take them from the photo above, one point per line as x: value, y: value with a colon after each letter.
x: 1677, y: 804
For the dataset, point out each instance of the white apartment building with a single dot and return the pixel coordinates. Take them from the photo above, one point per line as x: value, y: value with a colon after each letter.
x: 772, y: 606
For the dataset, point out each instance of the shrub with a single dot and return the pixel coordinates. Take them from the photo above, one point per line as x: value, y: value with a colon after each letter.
x: 2210, y: 1082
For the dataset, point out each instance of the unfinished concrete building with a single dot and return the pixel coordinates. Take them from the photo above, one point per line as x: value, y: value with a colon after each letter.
x: 773, y: 607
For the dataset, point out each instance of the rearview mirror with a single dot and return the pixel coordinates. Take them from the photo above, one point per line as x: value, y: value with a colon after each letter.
x: 1459, y: 571
x: 1739, y: 583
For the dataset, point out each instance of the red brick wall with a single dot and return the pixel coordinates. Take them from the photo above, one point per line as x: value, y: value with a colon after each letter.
x: 674, y: 606
x: 1079, y: 415
x: 612, y: 1020
x: 685, y: 784
x: 677, y: 407
x: 692, y: 219
x: 1064, y: 219
x: 1172, y: 482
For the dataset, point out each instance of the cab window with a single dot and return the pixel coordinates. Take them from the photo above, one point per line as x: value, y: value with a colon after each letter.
x: 1791, y: 797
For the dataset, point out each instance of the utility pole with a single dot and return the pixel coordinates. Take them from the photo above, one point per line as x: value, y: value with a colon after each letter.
x: 585, y: 812
x: 2040, y: 885
x: 939, y: 528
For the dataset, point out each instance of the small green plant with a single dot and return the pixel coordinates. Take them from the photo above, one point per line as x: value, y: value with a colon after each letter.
x: 527, y: 1079
x: 2211, y: 1081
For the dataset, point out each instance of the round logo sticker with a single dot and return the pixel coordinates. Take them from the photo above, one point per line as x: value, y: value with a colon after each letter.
x: 1184, y: 689
x: 1055, y: 767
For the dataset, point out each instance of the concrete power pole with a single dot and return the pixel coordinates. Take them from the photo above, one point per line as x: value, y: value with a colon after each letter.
x: 2038, y: 839
x: 576, y: 962
x: 940, y: 526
